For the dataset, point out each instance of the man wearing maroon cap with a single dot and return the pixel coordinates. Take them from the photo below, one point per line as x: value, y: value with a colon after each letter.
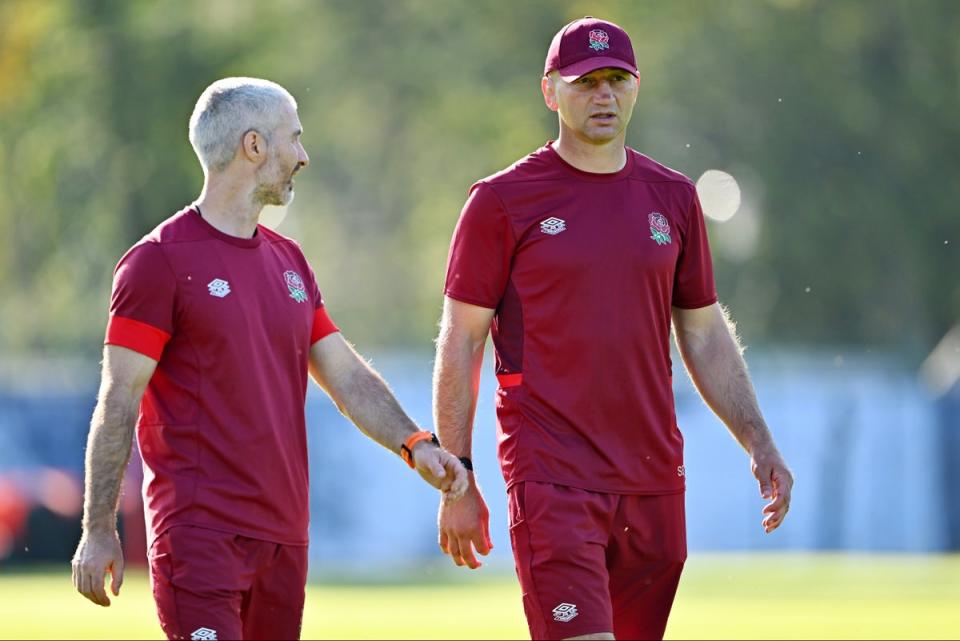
x: 578, y: 257
x: 215, y: 322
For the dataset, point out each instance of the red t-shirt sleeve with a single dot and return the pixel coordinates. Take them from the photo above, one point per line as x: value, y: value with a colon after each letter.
x: 141, y: 305
x: 322, y: 323
x: 478, y: 266
x: 693, y: 284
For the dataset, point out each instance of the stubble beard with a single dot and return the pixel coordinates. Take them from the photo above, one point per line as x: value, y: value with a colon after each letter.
x: 272, y: 186
x: 277, y: 195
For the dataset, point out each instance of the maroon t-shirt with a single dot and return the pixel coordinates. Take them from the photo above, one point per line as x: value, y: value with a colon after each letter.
x: 582, y: 270
x: 221, y: 426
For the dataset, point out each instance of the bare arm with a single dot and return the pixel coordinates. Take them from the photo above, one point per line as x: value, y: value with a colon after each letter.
x: 124, y: 378
x: 713, y: 357
x: 364, y: 397
x: 456, y: 373
x: 456, y: 381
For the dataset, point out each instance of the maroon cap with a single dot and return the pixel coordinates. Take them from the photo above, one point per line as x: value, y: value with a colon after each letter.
x: 589, y: 44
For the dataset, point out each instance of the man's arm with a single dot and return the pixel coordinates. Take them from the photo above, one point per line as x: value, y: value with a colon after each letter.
x: 363, y: 396
x: 124, y: 378
x: 456, y: 380
x: 713, y: 356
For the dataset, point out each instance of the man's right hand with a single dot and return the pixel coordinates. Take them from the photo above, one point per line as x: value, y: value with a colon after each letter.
x: 97, y: 554
x: 464, y: 527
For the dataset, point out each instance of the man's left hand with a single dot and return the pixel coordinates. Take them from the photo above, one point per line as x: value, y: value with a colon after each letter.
x: 441, y: 469
x: 776, y: 484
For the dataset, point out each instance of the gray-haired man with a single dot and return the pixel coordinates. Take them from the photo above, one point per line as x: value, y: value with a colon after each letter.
x: 215, y: 322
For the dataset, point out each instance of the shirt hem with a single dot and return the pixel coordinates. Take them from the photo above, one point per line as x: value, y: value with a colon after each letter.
x: 259, y: 536
x: 597, y: 488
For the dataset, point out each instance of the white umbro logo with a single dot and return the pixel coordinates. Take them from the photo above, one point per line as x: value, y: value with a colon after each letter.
x: 553, y: 226
x: 219, y: 288
x: 203, y: 634
x: 565, y: 612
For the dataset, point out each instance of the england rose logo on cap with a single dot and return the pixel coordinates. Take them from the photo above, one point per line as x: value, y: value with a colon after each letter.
x: 608, y: 45
x: 599, y: 40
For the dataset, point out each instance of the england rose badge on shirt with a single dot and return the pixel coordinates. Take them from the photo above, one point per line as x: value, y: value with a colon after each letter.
x: 659, y: 228
x: 298, y: 291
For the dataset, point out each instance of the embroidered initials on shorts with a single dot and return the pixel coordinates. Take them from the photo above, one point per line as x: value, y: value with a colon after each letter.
x: 203, y: 634
x: 565, y: 612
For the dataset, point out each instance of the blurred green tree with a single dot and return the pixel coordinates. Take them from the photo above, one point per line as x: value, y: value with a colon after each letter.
x: 838, y: 118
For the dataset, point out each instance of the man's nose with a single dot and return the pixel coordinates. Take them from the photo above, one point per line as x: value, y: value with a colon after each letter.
x: 303, y: 159
x: 604, y: 90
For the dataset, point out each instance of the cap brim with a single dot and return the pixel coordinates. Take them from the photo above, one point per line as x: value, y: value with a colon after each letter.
x: 577, y: 69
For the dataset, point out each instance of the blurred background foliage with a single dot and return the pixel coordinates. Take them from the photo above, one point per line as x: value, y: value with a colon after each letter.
x: 839, y: 120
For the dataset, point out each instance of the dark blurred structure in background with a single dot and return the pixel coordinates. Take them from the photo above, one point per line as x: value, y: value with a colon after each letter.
x: 873, y: 455
x: 836, y: 235
x: 42, y: 439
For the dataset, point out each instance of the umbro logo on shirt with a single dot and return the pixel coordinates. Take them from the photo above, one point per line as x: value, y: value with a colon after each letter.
x: 218, y: 287
x: 565, y: 612
x: 204, y: 634
x: 553, y: 226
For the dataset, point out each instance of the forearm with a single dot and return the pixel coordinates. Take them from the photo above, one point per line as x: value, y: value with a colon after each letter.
x: 456, y: 382
x: 713, y: 358
x: 108, y: 451
x: 365, y: 398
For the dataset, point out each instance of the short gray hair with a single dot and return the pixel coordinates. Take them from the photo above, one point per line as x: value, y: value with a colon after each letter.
x: 228, y: 109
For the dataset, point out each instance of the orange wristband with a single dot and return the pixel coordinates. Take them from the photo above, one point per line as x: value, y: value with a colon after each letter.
x: 406, y: 450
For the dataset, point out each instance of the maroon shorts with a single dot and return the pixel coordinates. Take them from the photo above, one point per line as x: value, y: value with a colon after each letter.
x: 215, y: 585
x: 591, y: 563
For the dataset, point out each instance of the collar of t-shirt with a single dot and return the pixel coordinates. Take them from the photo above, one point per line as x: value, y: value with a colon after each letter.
x: 246, y: 243
x: 588, y: 175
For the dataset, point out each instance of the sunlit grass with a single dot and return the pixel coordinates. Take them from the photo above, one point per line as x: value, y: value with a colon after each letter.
x: 721, y: 597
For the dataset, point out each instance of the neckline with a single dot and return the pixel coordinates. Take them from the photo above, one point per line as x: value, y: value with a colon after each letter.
x: 590, y: 176
x: 246, y: 243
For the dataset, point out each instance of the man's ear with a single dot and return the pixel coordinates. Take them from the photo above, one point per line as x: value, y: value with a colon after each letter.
x: 549, y: 89
x: 254, y: 146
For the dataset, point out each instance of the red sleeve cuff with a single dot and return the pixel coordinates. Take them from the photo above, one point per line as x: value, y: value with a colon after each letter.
x: 476, y: 301
x: 140, y: 337
x: 322, y: 325
x: 695, y: 304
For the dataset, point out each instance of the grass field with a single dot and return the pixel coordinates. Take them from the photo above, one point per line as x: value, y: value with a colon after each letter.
x: 721, y: 597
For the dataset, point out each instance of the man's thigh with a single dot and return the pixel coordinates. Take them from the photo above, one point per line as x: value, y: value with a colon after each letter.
x: 646, y: 557
x: 559, y: 536
x: 274, y: 607
x: 198, y: 583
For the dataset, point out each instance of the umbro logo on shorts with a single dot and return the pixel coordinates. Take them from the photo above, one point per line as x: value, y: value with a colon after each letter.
x: 219, y: 288
x: 565, y: 612
x: 553, y: 226
x: 203, y: 634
